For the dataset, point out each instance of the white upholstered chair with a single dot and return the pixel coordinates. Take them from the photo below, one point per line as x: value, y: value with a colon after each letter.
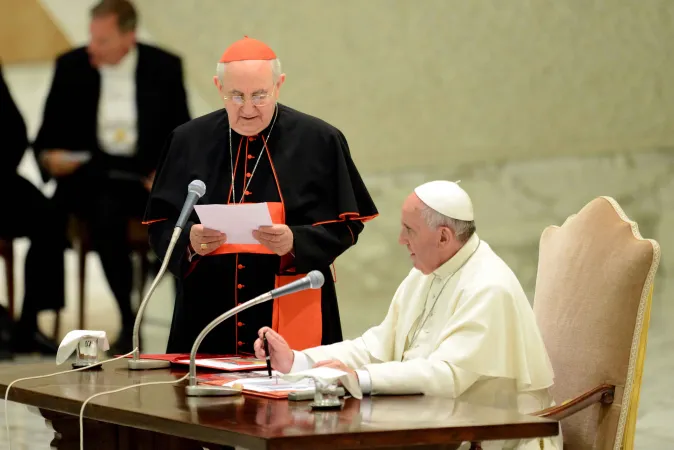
x: 593, y: 301
x: 593, y: 298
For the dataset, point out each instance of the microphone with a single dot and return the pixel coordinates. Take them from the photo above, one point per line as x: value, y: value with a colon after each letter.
x: 313, y: 280
x: 195, y: 191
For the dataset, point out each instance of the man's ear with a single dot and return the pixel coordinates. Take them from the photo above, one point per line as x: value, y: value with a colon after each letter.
x: 446, y: 236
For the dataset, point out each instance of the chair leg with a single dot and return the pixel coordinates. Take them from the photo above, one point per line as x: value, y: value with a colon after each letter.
x: 9, y: 276
x: 82, y: 263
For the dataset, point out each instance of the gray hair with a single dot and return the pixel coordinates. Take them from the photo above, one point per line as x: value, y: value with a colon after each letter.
x: 463, y: 229
x: 275, y: 70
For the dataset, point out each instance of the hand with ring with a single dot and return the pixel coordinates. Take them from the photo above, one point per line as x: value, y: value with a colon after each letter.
x: 205, y: 240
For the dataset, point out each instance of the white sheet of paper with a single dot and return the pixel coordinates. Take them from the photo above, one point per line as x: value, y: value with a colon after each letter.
x: 266, y: 384
x: 236, y: 221
x: 328, y: 375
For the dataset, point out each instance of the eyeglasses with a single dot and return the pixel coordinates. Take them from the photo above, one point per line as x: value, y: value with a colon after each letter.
x: 256, y: 99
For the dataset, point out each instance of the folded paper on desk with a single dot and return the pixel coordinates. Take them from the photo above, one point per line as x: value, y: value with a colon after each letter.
x: 226, y: 363
x: 259, y: 384
x: 326, y: 376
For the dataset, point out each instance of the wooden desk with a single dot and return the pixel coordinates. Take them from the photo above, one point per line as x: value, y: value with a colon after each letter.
x: 162, y: 416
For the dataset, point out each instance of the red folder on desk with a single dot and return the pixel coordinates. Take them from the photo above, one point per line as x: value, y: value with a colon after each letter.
x: 225, y: 363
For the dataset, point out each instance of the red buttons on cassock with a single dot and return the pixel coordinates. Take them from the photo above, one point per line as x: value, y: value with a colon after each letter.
x: 239, y: 343
x: 248, y: 175
x: 240, y: 324
x: 240, y: 266
x: 240, y: 286
x: 247, y: 192
x: 251, y: 156
x: 251, y: 138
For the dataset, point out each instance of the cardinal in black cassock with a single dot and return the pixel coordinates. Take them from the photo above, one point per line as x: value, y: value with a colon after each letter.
x: 257, y: 150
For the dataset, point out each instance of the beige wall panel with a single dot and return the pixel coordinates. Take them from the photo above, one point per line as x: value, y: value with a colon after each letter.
x: 453, y: 81
x: 28, y: 33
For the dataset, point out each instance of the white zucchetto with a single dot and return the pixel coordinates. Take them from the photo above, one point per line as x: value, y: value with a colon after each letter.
x: 447, y: 198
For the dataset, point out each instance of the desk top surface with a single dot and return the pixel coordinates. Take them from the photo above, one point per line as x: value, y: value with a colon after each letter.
x: 258, y: 423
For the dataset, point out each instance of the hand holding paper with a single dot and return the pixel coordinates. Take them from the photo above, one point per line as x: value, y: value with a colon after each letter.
x: 237, y: 221
x: 204, y: 240
x: 277, y: 238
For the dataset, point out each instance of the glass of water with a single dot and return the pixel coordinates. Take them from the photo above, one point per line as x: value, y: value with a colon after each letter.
x: 87, y: 352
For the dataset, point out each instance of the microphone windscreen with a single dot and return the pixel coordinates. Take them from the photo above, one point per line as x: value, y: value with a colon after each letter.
x: 316, y: 279
x: 198, y: 187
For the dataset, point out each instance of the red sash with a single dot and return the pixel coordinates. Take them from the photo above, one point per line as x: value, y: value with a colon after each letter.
x: 296, y: 317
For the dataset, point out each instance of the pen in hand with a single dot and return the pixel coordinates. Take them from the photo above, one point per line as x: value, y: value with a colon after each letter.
x: 266, y: 352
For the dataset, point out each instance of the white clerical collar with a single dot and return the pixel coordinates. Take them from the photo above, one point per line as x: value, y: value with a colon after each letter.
x: 459, y: 259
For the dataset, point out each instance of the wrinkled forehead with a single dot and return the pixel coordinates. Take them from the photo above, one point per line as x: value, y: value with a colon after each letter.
x: 248, y: 76
x: 411, y: 210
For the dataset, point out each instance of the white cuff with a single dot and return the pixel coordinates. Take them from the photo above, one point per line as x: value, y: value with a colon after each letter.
x: 364, y: 380
x: 190, y: 255
x: 301, y: 362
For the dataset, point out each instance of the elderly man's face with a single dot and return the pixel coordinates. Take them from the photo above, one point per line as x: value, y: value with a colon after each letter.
x: 107, y: 44
x: 424, y: 244
x: 250, y: 95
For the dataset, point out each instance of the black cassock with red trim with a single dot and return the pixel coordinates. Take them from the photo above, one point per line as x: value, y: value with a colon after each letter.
x: 303, y: 167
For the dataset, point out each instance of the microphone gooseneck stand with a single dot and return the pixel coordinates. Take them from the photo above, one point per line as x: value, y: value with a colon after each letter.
x: 313, y: 280
x: 195, y: 390
x: 195, y: 191
x: 143, y: 364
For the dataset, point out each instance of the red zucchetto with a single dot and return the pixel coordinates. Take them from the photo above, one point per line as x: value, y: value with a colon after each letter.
x: 247, y: 49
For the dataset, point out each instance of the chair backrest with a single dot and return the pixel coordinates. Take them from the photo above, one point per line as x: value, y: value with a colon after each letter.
x: 593, y: 293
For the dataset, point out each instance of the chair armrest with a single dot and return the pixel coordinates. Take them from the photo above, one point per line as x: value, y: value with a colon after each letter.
x: 601, y: 394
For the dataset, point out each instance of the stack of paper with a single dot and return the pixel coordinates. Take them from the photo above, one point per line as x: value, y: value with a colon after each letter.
x: 259, y: 383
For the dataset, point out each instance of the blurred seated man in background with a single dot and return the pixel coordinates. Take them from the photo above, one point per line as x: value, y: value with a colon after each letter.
x: 459, y: 325
x: 110, y: 108
x: 28, y: 213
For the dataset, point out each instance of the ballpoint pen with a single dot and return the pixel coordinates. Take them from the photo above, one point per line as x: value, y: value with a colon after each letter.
x: 266, y: 352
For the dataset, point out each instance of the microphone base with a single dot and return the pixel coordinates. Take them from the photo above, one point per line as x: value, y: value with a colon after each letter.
x: 148, y: 364
x: 211, y: 391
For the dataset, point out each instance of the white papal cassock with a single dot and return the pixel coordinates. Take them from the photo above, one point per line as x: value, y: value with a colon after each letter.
x: 465, y: 331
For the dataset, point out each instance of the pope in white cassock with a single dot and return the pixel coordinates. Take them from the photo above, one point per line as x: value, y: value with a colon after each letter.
x: 459, y: 325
